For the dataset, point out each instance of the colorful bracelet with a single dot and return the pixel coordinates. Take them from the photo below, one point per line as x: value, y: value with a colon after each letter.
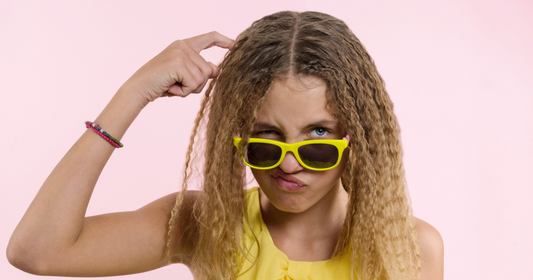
x: 100, y: 131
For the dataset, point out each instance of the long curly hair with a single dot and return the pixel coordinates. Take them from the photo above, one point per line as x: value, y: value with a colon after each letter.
x: 378, y: 232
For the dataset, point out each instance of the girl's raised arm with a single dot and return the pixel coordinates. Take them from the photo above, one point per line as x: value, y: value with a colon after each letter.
x: 54, y: 237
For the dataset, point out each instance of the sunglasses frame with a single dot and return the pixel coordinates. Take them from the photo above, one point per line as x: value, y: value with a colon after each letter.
x: 340, y: 144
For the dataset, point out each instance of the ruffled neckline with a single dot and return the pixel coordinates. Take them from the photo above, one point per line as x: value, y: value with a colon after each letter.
x: 265, y: 261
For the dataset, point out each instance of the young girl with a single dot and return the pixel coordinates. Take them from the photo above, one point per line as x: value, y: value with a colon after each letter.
x: 298, y: 100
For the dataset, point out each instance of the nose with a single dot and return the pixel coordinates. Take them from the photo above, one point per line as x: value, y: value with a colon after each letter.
x: 290, y: 164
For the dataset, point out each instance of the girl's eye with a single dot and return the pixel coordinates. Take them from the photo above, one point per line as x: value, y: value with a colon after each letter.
x: 265, y: 132
x: 319, y: 132
x: 268, y: 134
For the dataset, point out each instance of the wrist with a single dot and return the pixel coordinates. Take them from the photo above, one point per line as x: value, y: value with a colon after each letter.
x: 120, y: 112
x: 134, y: 97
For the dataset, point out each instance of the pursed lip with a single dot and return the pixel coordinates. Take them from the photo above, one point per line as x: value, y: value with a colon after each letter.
x: 278, y: 173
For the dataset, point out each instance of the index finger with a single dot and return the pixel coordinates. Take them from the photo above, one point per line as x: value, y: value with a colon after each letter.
x: 207, y: 40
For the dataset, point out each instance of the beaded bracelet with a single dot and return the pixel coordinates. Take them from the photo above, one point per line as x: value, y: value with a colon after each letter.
x: 98, y: 129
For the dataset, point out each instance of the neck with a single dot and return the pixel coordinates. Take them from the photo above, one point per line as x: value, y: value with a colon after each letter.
x: 322, y: 220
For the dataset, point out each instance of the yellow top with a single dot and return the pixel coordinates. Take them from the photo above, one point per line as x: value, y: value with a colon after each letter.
x: 273, y: 263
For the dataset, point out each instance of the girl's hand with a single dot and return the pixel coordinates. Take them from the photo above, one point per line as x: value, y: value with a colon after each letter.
x: 55, y: 238
x: 178, y: 70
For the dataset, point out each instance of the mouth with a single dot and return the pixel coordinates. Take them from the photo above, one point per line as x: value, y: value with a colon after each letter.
x: 287, y: 182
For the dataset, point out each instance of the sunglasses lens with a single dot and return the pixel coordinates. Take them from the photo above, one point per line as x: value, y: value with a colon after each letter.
x: 262, y: 154
x: 319, y: 155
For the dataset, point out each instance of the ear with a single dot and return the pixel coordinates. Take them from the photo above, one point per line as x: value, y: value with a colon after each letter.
x: 347, y: 137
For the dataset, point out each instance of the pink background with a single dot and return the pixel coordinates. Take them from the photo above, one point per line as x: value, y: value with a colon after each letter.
x: 459, y: 72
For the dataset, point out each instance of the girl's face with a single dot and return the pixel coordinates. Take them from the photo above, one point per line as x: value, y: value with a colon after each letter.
x: 293, y: 111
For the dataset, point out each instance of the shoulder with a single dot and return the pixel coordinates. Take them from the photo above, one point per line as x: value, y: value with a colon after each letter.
x: 431, y: 250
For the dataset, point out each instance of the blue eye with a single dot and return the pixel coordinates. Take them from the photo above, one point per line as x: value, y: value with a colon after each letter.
x: 319, y: 132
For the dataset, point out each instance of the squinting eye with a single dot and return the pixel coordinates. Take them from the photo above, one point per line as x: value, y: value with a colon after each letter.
x: 267, y: 134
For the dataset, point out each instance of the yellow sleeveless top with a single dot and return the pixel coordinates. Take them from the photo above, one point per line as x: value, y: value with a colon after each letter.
x: 272, y: 263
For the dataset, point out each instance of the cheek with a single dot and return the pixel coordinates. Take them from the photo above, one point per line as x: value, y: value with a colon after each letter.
x: 330, y: 177
x: 344, y: 160
x: 333, y: 175
x: 259, y: 175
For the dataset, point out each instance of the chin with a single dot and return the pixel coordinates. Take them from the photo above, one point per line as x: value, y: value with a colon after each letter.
x: 289, y: 208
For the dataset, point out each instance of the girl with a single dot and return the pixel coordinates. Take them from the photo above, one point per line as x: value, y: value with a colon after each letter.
x: 298, y: 100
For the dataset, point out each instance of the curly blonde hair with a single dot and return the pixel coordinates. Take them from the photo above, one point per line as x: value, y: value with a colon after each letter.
x: 378, y: 231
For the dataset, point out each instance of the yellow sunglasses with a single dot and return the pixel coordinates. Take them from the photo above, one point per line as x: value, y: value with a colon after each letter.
x: 317, y: 155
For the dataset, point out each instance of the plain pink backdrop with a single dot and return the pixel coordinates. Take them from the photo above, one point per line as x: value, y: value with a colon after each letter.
x: 460, y: 74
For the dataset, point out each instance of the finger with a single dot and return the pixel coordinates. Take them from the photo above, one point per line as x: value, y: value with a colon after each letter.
x: 214, y: 70
x: 210, y: 39
x: 183, y: 80
x: 208, y: 69
x: 195, y: 79
x: 176, y: 89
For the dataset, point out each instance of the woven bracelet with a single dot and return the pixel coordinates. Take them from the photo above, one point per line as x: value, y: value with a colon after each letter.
x: 98, y: 129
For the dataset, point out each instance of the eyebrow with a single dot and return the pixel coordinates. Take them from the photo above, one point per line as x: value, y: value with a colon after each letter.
x: 324, y: 123
x: 264, y: 126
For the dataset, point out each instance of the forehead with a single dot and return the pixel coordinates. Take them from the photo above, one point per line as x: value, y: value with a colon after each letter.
x: 295, y: 102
